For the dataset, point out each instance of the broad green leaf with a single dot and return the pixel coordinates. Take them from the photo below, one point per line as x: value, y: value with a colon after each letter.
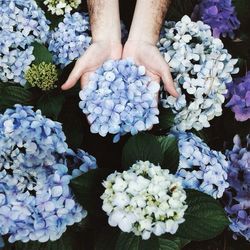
x: 50, y: 105
x: 41, y: 53
x: 88, y: 189
x: 166, y: 118
x: 204, y: 217
x: 143, y: 147
x: 132, y: 242
x: 11, y: 95
x: 169, y: 145
x: 171, y: 242
x: 107, y: 239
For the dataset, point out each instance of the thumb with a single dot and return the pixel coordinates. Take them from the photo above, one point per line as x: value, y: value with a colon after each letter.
x: 74, y: 76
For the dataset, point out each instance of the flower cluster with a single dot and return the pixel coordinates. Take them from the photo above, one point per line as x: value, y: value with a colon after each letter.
x: 201, y: 67
x: 144, y: 199
x: 70, y: 39
x: 36, y: 202
x: 59, y: 7
x: 21, y: 23
x: 239, y: 94
x: 43, y: 76
x: 220, y: 15
x: 237, y: 196
x: 201, y: 168
x: 120, y: 99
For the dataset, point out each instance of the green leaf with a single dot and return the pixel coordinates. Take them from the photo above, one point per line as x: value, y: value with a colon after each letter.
x: 41, y: 53
x: 88, y: 189
x: 169, y: 145
x: 107, y: 239
x: 166, y: 118
x: 171, y: 242
x: 204, y: 217
x: 50, y: 105
x: 11, y: 95
x: 132, y: 242
x: 143, y: 147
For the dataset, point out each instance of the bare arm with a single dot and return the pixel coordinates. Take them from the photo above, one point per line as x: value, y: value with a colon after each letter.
x: 141, y: 44
x: 106, y: 41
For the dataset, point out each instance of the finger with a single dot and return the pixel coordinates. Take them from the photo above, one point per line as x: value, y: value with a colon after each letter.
x: 167, y: 79
x: 85, y: 79
x: 75, y: 75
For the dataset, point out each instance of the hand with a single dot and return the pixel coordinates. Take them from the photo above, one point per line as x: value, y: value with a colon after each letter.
x: 148, y: 55
x: 94, y: 57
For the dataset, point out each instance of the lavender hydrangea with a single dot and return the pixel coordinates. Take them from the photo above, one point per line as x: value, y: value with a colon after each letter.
x: 70, y: 39
x: 237, y: 196
x: 239, y: 95
x: 220, y: 15
x: 120, y: 99
x: 201, y: 67
x: 21, y: 23
x: 28, y: 138
x: 36, y: 166
x: 201, y: 168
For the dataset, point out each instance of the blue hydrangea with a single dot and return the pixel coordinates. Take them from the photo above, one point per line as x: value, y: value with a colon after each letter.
x: 237, y: 196
x: 201, y: 168
x: 36, y: 166
x: 21, y: 23
x: 70, y: 39
x: 120, y: 99
x: 28, y: 138
x: 219, y: 14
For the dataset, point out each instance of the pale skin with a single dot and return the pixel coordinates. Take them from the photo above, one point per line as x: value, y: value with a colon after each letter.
x: 140, y: 46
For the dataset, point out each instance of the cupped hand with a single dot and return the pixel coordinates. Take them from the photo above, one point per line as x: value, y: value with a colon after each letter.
x: 94, y: 57
x: 148, y: 55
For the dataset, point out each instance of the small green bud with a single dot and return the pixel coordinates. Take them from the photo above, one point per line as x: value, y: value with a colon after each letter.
x: 43, y: 76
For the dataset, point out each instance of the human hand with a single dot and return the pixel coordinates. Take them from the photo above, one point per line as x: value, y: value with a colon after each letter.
x: 148, y: 55
x: 94, y: 57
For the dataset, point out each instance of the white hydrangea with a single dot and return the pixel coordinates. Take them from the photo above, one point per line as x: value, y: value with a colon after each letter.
x: 201, y: 67
x: 144, y: 199
x: 60, y: 7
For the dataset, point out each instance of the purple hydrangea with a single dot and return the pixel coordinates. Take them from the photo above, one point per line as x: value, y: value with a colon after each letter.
x: 36, y: 166
x: 119, y: 99
x: 220, y: 15
x: 201, y: 168
x: 239, y: 95
x: 237, y: 196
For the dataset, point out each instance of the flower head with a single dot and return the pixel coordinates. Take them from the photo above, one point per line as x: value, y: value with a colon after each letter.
x: 43, y: 76
x: 237, y: 196
x: 60, y: 7
x: 201, y: 168
x: 22, y: 23
x: 119, y: 99
x: 144, y: 199
x: 70, y: 39
x: 201, y: 67
x: 239, y: 95
x: 220, y: 15
x: 36, y: 202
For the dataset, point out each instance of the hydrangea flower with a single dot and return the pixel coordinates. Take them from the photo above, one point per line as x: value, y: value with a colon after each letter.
x: 220, y: 15
x: 70, y: 39
x: 144, y: 199
x: 237, y: 196
x: 201, y: 67
x: 43, y: 76
x: 29, y: 139
x: 239, y: 94
x: 59, y: 7
x: 21, y: 23
x: 201, y: 168
x: 120, y: 99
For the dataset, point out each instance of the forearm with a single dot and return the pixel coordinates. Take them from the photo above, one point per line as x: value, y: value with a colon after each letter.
x: 105, y: 20
x: 147, y: 21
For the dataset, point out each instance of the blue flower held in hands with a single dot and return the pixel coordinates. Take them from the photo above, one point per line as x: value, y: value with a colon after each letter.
x: 120, y: 99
